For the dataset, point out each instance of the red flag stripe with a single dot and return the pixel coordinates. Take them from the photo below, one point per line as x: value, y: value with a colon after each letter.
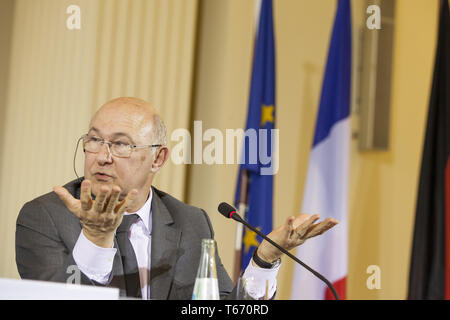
x: 447, y: 230
x: 340, y: 286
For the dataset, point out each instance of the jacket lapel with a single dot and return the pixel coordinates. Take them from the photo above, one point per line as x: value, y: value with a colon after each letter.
x: 165, y: 242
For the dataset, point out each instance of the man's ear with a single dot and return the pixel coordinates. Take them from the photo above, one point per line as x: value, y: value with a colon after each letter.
x: 160, y: 158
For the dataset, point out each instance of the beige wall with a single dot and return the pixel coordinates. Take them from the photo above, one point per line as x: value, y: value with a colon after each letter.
x: 220, y: 101
x: 46, y: 109
x: 58, y: 78
x: 145, y: 48
x: 6, y: 27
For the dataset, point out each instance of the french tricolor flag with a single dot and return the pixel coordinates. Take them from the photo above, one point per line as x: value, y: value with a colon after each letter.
x: 326, y: 189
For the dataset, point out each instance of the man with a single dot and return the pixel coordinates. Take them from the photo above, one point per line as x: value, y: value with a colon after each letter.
x: 117, y: 230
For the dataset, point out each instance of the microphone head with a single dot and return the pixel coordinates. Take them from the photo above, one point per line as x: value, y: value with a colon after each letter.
x: 227, y: 210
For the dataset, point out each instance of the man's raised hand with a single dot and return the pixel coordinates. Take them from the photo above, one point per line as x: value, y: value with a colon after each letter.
x: 294, y: 232
x: 100, y: 217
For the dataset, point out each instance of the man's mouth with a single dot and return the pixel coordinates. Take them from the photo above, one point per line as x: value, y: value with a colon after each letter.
x: 100, y: 176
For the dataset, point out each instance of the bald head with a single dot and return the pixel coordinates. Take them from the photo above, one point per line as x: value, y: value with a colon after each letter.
x: 138, y: 113
x: 131, y: 104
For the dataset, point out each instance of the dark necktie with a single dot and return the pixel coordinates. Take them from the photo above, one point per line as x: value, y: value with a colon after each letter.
x: 130, y: 266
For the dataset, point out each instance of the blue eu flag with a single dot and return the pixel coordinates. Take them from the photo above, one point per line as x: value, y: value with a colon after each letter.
x: 259, y: 136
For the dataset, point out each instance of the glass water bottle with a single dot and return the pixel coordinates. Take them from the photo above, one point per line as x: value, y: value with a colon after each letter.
x: 206, y: 284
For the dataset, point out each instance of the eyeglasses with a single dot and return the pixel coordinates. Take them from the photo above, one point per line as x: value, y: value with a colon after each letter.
x: 116, y: 148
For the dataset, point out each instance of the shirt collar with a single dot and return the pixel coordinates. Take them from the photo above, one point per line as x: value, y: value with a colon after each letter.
x: 144, y: 212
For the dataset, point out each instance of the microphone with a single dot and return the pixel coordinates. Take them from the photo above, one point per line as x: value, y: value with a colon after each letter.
x: 230, y: 212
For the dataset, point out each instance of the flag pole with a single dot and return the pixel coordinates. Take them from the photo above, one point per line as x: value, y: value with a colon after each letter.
x: 239, y: 226
x: 243, y: 196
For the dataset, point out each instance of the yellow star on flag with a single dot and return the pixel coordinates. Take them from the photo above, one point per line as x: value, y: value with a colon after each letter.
x: 266, y: 114
x: 250, y: 239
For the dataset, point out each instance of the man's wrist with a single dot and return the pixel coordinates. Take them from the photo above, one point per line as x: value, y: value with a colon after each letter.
x: 263, y: 263
x: 103, y: 241
x: 95, y: 262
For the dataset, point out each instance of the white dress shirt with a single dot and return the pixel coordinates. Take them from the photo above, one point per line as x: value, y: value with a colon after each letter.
x: 97, y: 262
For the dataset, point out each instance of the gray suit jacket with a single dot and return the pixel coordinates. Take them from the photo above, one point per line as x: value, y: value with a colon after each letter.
x: 46, y: 233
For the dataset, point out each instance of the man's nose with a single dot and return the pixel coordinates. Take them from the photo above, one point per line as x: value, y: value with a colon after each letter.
x: 104, y: 154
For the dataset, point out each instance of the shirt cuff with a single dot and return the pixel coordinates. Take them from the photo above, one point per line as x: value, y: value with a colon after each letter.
x: 257, y: 288
x: 94, y: 261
